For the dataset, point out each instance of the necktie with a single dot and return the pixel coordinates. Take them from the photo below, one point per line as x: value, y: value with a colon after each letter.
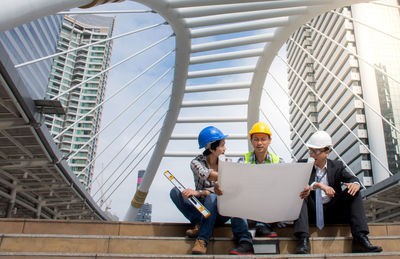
x: 319, y: 208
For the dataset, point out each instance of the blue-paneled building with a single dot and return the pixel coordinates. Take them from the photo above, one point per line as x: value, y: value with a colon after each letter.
x: 31, y: 41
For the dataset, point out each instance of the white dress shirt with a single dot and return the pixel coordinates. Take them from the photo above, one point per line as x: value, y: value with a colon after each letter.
x: 320, y: 172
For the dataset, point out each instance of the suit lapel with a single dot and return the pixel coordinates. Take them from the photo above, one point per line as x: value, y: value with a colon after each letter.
x: 330, y: 173
x: 312, y: 177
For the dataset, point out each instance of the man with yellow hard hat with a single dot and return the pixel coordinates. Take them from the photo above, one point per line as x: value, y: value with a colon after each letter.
x: 260, y: 137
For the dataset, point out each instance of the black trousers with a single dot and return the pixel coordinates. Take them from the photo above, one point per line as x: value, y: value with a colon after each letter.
x: 342, y: 209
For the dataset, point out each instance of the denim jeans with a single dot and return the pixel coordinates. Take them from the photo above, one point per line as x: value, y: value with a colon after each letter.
x: 239, y: 225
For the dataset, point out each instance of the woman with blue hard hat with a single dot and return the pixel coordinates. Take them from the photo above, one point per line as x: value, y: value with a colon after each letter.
x: 205, y: 172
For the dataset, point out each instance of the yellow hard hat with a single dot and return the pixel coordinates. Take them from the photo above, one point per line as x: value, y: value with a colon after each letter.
x: 260, y: 127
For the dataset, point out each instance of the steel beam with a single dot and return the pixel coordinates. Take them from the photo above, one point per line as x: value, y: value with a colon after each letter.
x: 240, y: 27
x: 226, y: 56
x: 214, y: 103
x: 221, y: 71
x: 217, y: 87
x: 214, y: 45
x: 243, y: 17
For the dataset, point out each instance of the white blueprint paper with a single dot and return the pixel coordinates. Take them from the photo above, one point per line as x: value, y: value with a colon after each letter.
x: 263, y: 192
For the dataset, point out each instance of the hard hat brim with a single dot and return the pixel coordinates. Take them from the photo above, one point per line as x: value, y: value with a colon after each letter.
x: 314, y: 146
x: 222, y: 137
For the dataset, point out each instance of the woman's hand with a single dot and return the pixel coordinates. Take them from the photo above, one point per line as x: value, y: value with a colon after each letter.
x: 188, y: 193
x: 217, y: 190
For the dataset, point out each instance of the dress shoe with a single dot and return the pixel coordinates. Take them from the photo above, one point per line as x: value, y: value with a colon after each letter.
x: 361, y: 244
x: 303, y: 246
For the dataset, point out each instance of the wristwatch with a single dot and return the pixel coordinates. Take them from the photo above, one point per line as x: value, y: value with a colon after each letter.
x: 201, y: 192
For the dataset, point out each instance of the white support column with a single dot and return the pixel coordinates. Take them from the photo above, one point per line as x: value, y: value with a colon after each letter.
x: 13, y: 197
x: 181, y: 68
x: 39, y: 207
x: 370, y: 92
x: 17, y: 12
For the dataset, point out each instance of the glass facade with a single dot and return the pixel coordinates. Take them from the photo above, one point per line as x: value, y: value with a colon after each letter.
x: 144, y: 213
x: 331, y: 91
x: 385, y: 54
x: 80, y: 69
x: 32, y: 41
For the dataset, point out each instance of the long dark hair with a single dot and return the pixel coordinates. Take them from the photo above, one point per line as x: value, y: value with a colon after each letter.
x: 213, y: 146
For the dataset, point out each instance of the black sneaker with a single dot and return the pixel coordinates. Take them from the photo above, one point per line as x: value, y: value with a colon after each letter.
x: 264, y: 231
x: 244, y: 248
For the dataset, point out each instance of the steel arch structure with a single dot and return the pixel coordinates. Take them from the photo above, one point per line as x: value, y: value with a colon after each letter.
x: 192, y: 19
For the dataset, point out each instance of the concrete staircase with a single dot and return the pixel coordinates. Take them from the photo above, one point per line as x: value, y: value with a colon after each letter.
x: 27, y: 238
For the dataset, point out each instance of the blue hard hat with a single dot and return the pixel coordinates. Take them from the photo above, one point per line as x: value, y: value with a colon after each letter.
x: 209, y: 135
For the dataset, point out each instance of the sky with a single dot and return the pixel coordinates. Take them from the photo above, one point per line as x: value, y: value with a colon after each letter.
x: 120, y: 167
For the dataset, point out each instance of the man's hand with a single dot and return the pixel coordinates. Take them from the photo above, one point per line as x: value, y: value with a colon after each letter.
x: 304, y: 194
x: 353, y: 188
x: 217, y: 190
x: 327, y: 189
x: 188, y: 193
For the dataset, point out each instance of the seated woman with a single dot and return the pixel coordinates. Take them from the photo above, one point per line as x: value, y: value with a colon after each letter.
x: 205, y: 172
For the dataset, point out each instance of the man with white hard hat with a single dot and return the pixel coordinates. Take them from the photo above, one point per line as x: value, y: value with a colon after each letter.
x: 326, y: 202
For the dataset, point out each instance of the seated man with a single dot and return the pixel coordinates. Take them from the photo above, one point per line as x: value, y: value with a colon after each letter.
x: 326, y: 202
x: 260, y: 137
x: 205, y: 171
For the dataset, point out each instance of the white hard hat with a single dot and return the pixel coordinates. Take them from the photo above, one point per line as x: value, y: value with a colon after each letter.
x: 319, y: 139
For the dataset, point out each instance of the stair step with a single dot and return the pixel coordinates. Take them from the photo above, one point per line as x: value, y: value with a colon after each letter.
x: 32, y: 226
x: 167, y: 245
x: 30, y: 238
x: 22, y: 255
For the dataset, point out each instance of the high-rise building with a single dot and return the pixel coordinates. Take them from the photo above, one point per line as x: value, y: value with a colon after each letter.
x: 72, y: 69
x: 144, y: 213
x: 377, y: 89
x: 32, y: 41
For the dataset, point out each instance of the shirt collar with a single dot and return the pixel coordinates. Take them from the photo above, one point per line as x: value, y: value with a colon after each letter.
x: 253, y: 157
x: 323, y: 168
